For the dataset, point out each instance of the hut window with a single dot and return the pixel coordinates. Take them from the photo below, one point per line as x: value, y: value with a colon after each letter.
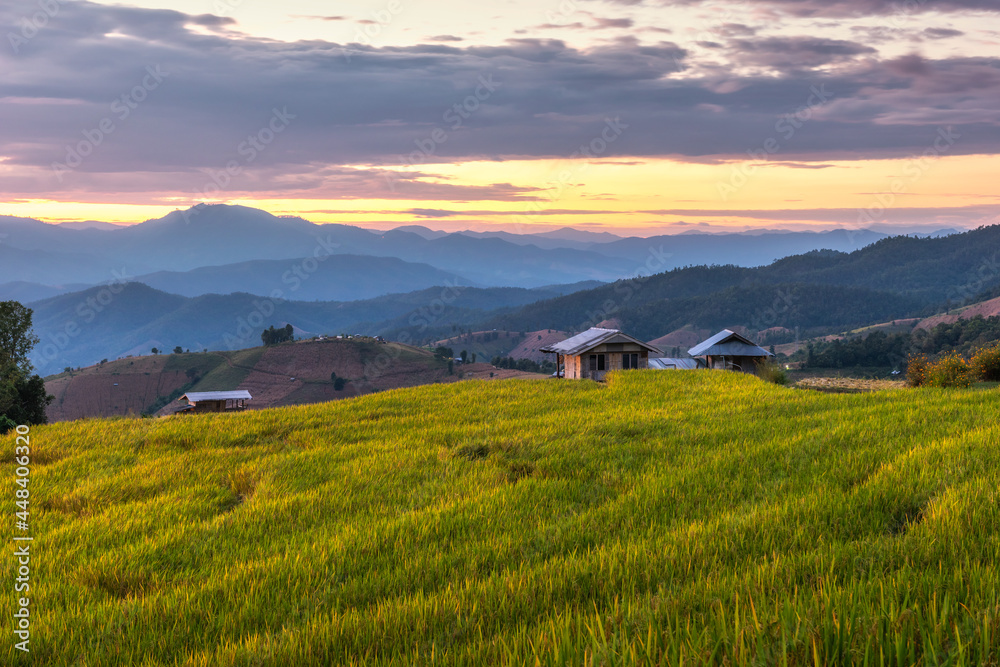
x: 630, y: 361
x: 597, y: 362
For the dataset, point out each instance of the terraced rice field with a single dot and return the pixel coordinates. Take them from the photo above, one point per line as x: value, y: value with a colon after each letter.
x: 661, y: 519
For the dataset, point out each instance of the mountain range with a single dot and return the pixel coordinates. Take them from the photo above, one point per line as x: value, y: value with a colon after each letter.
x: 215, y: 276
x: 32, y: 251
x: 82, y: 328
x: 39, y: 259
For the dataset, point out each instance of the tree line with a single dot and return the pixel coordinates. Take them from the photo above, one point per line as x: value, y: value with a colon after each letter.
x: 881, y: 349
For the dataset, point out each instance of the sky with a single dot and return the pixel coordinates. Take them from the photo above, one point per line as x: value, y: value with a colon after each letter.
x: 631, y: 116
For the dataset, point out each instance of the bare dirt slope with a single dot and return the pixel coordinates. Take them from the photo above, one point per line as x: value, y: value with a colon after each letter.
x: 529, y: 347
x: 125, y: 387
x: 989, y: 308
x: 287, y: 374
x: 499, y: 343
x: 683, y: 338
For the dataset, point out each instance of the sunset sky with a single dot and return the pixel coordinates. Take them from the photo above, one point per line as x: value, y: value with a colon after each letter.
x: 632, y: 116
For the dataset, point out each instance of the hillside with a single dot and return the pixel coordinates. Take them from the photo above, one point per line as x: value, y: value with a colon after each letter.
x: 894, y: 278
x: 288, y: 374
x: 215, y: 235
x: 990, y: 308
x: 136, y: 318
x: 525, y: 523
x: 515, y: 344
x: 646, y: 314
x: 337, y: 278
x: 26, y: 292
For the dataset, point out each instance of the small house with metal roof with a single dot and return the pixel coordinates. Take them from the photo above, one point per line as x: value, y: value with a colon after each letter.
x: 668, y: 364
x: 595, y: 352
x: 214, y: 401
x: 730, y: 351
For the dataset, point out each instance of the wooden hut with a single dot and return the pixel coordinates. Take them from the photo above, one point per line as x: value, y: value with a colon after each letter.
x: 730, y: 351
x: 215, y: 401
x: 591, y: 354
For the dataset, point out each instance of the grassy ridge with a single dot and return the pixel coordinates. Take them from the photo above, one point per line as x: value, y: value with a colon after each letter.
x: 667, y: 518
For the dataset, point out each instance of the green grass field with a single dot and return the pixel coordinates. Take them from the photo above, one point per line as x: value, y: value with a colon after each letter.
x: 666, y: 518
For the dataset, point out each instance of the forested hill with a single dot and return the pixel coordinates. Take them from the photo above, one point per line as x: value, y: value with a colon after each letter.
x: 956, y: 267
x: 892, y: 278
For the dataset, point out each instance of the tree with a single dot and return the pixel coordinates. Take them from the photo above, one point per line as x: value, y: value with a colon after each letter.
x: 22, y: 395
x: 464, y: 355
x: 31, y: 403
x: 155, y: 351
x: 178, y: 350
x: 272, y: 336
x: 333, y: 376
x: 338, y: 384
x: 16, y: 337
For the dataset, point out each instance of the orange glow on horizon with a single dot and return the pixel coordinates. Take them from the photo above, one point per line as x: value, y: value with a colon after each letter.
x: 618, y: 194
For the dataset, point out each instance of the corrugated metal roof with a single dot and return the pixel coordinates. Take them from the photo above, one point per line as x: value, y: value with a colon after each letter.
x: 196, y: 396
x: 590, y: 339
x: 667, y: 364
x: 730, y: 344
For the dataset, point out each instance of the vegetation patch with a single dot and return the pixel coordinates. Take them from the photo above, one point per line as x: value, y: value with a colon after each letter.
x: 518, y: 470
x: 472, y: 452
x: 116, y: 583
x: 660, y: 519
x: 848, y: 385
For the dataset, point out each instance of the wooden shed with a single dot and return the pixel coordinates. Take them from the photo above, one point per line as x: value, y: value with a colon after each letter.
x: 591, y: 354
x: 215, y: 401
x: 730, y: 351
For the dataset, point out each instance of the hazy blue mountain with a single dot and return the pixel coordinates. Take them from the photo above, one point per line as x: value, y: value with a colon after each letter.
x: 755, y: 249
x: 579, y: 235
x: 218, y: 235
x: 537, y: 240
x: 335, y: 278
x: 420, y: 230
x: 91, y: 224
x: 54, y: 267
x: 894, y: 277
x: 84, y: 327
x: 26, y: 292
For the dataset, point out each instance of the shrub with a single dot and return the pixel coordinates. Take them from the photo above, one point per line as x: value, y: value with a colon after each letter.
x: 949, y: 371
x: 771, y: 371
x: 985, y: 364
x: 916, y: 370
x: 6, y: 424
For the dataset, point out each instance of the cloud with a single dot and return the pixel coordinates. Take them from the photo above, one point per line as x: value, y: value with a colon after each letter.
x: 447, y: 213
x: 784, y: 53
x: 357, y: 108
x: 962, y: 215
x: 320, y: 18
x: 843, y: 8
x: 942, y: 33
x: 613, y: 23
